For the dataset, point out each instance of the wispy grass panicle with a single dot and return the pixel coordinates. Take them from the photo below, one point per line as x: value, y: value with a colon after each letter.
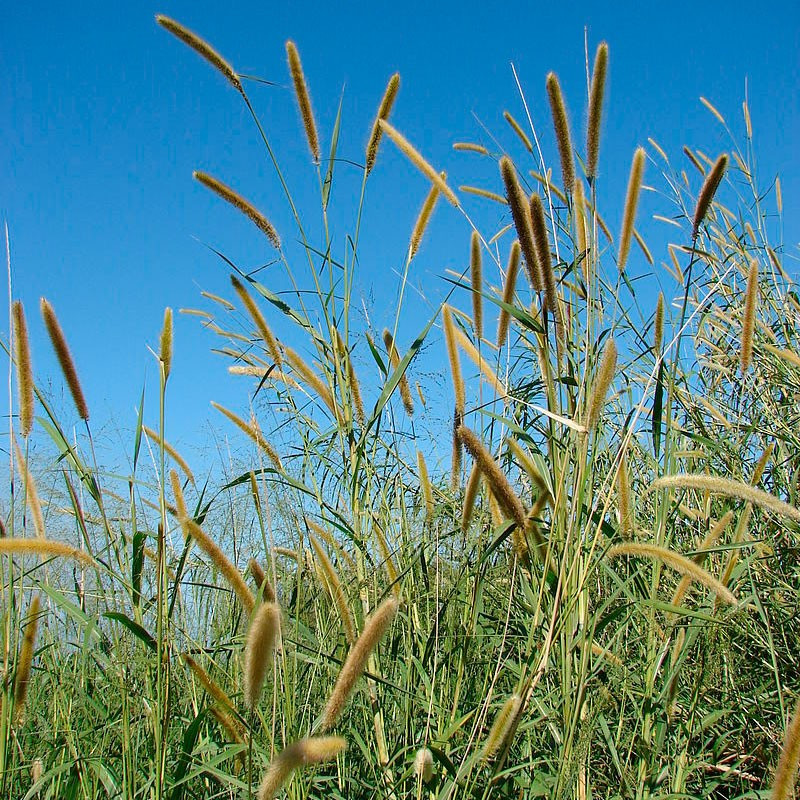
x: 239, y: 203
x: 509, y: 288
x: 165, y: 343
x: 303, y: 99
x: 305, y: 753
x: 602, y: 383
x: 170, y: 451
x: 631, y: 202
x: 749, y: 318
x: 707, y: 193
x: 785, y: 772
x: 509, y: 502
x: 384, y: 109
x: 374, y: 630
x: 22, y: 356
x: 424, y: 217
x: 22, y: 676
x: 253, y: 431
x: 418, y: 161
x: 595, y: 116
x: 270, y: 342
x: 208, y: 683
x: 65, y: 360
x: 520, y: 213
x: 561, y: 126
x: 260, y: 645
x: 202, y: 48
x: 476, y: 276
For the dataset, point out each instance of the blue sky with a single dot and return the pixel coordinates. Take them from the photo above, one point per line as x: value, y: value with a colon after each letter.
x: 106, y: 115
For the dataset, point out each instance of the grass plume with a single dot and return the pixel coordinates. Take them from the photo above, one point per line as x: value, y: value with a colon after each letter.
x: 270, y: 342
x: 202, y: 48
x: 303, y: 99
x: 749, y: 318
x: 707, y: 193
x: 394, y: 357
x: 305, y: 753
x: 253, y: 431
x: 64, y: 356
x: 238, y: 202
x: 509, y: 288
x: 374, y: 630
x: 384, y: 109
x: 595, y: 116
x: 785, y: 772
x: 476, y: 277
x: 517, y: 128
x: 423, y: 218
x: 631, y: 202
x: 22, y: 352
x: 258, y: 650
x: 602, y: 383
x: 561, y: 126
x: 43, y: 547
x: 22, y: 675
x: 522, y: 221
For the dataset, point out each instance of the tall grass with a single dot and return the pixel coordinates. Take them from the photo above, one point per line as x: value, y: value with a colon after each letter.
x: 595, y: 596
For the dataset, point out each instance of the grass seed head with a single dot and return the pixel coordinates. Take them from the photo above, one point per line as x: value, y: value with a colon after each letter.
x: 64, y: 356
x: 522, y: 221
x: 22, y: 354
x: 561, y: 126
x: 202, y: 48
x: 303, y: 99
x: 261, y: 639
x: 165, y: 343
x: 305, y: 753
x: 476, y: 275
x: 602, y: 383
x: 596, y: 94
x: 749, y: 318
x: 23, y: 671
x: 384, y: 109
x: 509, y: 288
x: 785, y: 772
x: 631, y: 202
x: 707, y: 192
x: 423, y: 764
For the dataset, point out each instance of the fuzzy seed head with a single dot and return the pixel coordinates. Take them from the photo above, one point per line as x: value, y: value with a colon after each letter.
x: 631, y: 202
x: 501, y: 726
x: 423, y: 764
x: 384, y: 109
x: 239, y: 203
x: 23, y: 670
x: 561, y: 125
x: 596, y: 94
x: 261, y: 639
x: 707, y: 192
x: 749, y: 318
x: 303, y: 99
x: 602, y: 383
x: 785, y: 772
x: 202, y: 48
x: 658, y: 325
x: 475, y: 268
x: 522, y: 221
x: 64, y: 359
x: 509, y: 287
x: 304, y: 753
x: 22, y: 353
x: 374, y: 630
x: 165, y: 343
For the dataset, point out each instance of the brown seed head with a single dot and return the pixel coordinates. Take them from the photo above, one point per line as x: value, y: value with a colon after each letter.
x: 425, y: 214
x: 22, y: 353
x: 631, y: 201
x: 64, y: 359
x: 602, y: 383
x: 476, y: 275
x: 261, y: 639
x: 749, y: 317
x: 304, y: 753
x: 509, y: 287
x: 596, y: 93
x: 707, y: 192
x: 783, y: 783
x: 202, y: 48
x: 522, y: 220
x: 374, y: 629
x: 238, y: 202
x: 165, y: 343
x: 303, y: 99
x: 384, y: 109
x: 541, y: 246
x: 517, y: 128
x: 561, y: 125
x: 23, y: 670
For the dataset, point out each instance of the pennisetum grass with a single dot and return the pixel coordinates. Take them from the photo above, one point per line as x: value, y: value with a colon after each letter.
x: 22, y: 676
x: 509, y: 287
x: 749, y: 318
x: 561, y: 126
x: 423, y: 218
x: 476, y: 277
x: 305, y: 753
x: 595, y: 117
x: 631, y: 202
x: 260, y: 645
x: 384, y: 109
x: 522, y: 221
x: 24, y: 370
x: 303, y: 99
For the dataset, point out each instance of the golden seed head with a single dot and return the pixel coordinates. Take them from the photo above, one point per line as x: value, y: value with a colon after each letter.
x: 522, y: 220
x: 470, y: 496
x: 509, y: 287
x: 658, y: 325
x: 425, y: 484
x: 374, y: 630
x: 749, y: 318
x: 424, y: 218
x: 165, y: 343
x: 602, y: 383
x: 561, y: 126
x: 202, y: 48
x: 418, y: 161
x: 631, y: 202
x: 455, y: 361
x: 471, y: 147
x: 23, y: 669
x: 596, y: 110
x: 707, y: 192
x: 475, y: 268
x: 64, y: 359
x: 303, y: 753
x: 783, y: 783
x: 22, y: 353
x: 263, y: 583
x: 423, y: 764
x: 270, y: 342
x: 303, y: 99
x: 394, y: 357
x: 541, y: 248
x: 261, y: 639
x: 238, y: 202
x: 384, y: 109
x: 517, y: 128
x: 501, y: 727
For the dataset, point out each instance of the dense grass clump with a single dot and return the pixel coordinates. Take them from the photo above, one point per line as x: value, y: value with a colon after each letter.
x: 585, y: 586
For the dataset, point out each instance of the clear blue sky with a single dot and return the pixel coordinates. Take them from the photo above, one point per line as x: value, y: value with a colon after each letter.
x: 105, y: 116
